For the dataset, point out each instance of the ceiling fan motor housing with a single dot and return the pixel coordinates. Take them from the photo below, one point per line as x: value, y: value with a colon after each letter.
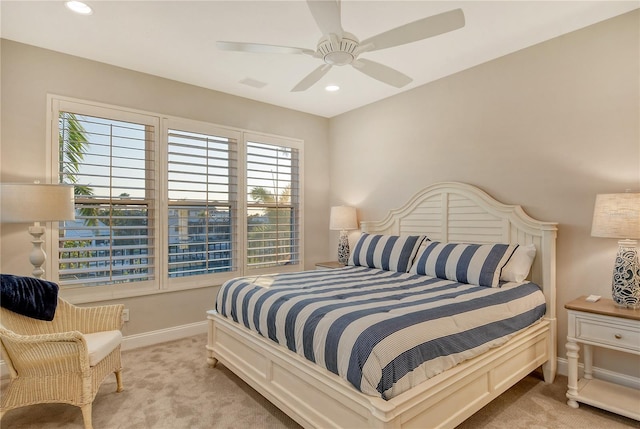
x: 340, y: 52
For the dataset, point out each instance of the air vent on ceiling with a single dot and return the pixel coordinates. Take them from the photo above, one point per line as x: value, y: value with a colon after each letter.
x: 252, y: 82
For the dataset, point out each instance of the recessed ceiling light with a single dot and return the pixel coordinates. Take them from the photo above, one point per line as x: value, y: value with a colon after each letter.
x: 332, y: 88
x: 79, y: 7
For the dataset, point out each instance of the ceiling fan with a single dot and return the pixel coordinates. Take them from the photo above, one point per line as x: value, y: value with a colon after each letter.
x: 338, y: 48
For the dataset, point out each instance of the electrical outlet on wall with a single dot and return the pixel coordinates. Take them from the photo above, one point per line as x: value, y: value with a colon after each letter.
x: 125, y: 315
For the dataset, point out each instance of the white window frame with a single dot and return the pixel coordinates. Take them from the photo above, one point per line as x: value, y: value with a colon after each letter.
x: 205, y: 280
x: 276, y: 141
x: 98, y: 293
x: 162, y: 282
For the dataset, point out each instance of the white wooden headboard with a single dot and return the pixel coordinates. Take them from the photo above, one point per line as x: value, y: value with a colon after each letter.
x: 462, y: 213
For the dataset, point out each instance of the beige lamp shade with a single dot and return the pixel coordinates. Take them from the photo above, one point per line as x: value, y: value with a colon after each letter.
x: 36, y: 202
x: 343, y: 218
x: 617, y: 216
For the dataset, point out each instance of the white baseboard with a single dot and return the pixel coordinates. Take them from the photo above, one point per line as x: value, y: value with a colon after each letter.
x: 144, y: 339
x: 150, y: 338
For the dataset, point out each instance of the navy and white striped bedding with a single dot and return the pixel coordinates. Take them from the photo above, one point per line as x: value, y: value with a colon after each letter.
x: 383, y: 331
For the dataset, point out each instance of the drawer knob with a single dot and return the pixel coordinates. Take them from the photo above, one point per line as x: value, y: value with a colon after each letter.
x: 617, y: 336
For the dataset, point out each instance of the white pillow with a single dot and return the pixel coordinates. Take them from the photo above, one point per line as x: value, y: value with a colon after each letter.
x: 517, y: 269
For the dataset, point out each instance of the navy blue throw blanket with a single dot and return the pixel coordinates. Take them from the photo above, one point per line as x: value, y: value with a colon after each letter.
x: 29, y: 296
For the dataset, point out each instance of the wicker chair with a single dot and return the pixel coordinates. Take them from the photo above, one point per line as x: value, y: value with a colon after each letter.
x: 62, y: 361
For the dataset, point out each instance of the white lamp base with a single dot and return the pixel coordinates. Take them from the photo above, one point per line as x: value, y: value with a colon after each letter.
x: 626, y: 275
x: 343, y: 248
x: 37, y: 255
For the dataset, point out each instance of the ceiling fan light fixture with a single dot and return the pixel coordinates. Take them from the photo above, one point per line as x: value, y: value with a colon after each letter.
x: 338, y: 58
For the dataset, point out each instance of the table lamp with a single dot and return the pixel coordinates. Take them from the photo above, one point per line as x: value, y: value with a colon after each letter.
x: 36, y: 202
x: 618, y: 216
x: 343, y: 218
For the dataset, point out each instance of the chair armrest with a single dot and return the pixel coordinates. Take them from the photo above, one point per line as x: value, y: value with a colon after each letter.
x: 46, y: 353
x: 92, y: 319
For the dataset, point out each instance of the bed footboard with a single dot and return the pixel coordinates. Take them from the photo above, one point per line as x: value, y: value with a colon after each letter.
x: 315, y: 397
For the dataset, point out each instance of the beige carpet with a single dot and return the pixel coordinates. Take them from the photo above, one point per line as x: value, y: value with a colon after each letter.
x: 170, y: 386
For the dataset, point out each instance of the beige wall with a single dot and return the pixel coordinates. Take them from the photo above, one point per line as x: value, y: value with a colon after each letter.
x: 28, y: 74
x: 547, y: 127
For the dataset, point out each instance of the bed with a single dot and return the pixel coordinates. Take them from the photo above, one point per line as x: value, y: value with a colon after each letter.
x: 315, y: 396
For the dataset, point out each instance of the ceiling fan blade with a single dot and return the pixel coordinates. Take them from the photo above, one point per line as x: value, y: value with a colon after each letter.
x: 417, y: 30
x: 312, y: 78
x: 381, y: 72
x: 327, y: 15
x: 258, y: 48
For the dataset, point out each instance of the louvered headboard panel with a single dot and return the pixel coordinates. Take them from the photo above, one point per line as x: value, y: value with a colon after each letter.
x: 458, y: 212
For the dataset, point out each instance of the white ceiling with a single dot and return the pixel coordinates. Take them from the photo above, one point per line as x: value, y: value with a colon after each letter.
x: 176, y: 40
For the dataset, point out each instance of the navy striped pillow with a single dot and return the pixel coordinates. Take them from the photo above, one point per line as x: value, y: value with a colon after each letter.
x: 476, y: 264
x: 386, y: 252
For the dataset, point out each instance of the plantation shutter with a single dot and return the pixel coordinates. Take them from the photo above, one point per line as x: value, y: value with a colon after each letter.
x: 111, y: 164
x: 202, y: 211
x: 273, y: 205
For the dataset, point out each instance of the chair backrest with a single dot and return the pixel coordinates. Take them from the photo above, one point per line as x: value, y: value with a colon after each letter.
x: 24, y: 325
x: 13, y: 324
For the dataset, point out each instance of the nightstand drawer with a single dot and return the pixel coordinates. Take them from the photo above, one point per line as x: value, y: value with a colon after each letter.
x: 608, y: 332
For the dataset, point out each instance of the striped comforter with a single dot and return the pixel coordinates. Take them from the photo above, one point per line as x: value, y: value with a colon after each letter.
x: 383, y: 331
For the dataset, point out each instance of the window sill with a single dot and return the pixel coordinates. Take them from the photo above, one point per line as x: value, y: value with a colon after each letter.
x: 83, y: 295
x: 91, y: 294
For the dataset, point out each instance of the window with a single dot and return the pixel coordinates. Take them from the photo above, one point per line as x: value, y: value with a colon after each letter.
x: 159, y: 202
x: 202, y: 182
x: 273, y: 236
x: 111, y: 163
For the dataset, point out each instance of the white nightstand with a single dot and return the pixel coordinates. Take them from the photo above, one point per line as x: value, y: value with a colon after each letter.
x: 329, y: 265
x: 601, y: 324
